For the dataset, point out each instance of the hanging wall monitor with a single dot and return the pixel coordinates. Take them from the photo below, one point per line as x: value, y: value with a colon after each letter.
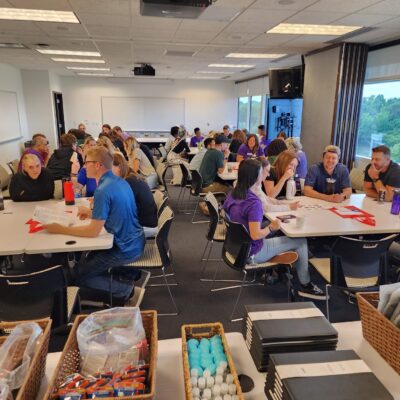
x: 285, y: 83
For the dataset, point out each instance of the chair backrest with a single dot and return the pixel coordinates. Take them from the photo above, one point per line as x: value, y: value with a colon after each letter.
x: 161, y: 201
x: 237, y: 245
x: 197, y: 183
x: 164, y: 225
x: 212, y: 205
x: 161, y: 171
x: 355, y: 258
x: 185, y: 174
x: 4, y: 178
x: 35, y: 295
x: 357, y: 180
x: 13, y: 165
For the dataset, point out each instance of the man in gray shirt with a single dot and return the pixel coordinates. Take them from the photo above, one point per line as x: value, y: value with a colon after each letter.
x: 208, y: 143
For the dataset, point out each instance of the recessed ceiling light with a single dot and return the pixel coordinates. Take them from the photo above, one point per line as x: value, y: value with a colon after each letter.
x: 88, y: 69
x: 79, y: 60
x: 231, y: 65
x: 308, y: 29
x: 213, y: 72
x: 12, y: 46
x: 254, y: 55
x: 89, y: 74
x: 70, y: 53
x: 22, y: 14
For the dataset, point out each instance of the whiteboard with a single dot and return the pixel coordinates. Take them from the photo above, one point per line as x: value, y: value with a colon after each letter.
x: 143, y: 113
x: 10, y: 127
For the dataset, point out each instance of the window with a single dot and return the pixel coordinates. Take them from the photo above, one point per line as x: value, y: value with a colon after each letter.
x: 243, y: 113
x: 380, y: 119
x: 255, y: 113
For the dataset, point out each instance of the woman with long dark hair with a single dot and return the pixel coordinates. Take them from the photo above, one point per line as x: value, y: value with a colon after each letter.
x: 250, y: 149
x: 244, y: 207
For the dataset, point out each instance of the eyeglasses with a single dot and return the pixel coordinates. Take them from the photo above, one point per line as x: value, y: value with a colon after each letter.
x: 90, y: 161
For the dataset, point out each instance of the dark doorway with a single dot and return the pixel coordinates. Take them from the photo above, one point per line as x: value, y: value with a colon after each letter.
x: 59, y: 109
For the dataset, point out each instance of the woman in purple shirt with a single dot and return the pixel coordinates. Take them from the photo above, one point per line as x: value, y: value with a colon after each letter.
x: 244, y: 207
x: 250, y: 149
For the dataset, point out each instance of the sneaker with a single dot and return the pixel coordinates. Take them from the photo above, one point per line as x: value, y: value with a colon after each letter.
x: 136, y: 298
x: 312, y: 292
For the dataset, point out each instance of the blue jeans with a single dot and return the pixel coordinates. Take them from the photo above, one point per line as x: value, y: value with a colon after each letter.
x: 92, y: 270
x: 276, y: 245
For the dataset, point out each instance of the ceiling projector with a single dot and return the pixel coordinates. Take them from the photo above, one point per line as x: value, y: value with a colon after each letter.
x: 144, y: 70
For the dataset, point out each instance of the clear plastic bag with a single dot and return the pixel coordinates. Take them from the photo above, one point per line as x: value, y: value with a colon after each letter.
x: 16, y: 353
x: 5, y: 392
x: 112, y: 339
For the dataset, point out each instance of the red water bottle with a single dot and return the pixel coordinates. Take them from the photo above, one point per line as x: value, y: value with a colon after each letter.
x: 69, y: 196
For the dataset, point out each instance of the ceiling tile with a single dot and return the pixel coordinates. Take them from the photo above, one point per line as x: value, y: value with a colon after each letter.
x: 112, y: 32
x: 392, y: 24
x: 378, y: 36
x: 62, y: 29
x: 315, y: 17
x: 152, y: 34
x: 271, y: 39
x: 154, y: 23
x: 216, y: 13
x: 193, y: 36
x: 108, y: 7
x: 363, y: 19
x: 21, y: 27
x: 202, y: 25
x: 384, y: 7
x: 238, y: 38
x: 106, y: 20
x: 237, y: 26
x: 342, y: 5
x: 274, y: 4
x: 237, y: 3
x: 59, y: 5
x: 258, y: 16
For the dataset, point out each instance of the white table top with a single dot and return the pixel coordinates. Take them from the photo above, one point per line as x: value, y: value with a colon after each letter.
x: 16, y: 239
x: 230, y: 176
x: 169, y: 376
x: 160, y: 139
x: 319, y: 221
x: 193, y: 151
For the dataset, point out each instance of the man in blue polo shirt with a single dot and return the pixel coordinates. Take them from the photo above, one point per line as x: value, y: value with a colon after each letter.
x: 328, y: 180
x: 114, y: 208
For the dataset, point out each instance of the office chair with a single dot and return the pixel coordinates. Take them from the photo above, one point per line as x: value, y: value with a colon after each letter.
x: 38, y: 295
x: 235, y: 253
x: 354, y: 265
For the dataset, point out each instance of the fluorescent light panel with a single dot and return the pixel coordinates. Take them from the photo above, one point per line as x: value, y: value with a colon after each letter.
x: 230, y: 65
x: 70, y: 52
x: 94, y: 74
x: 308, y: 29
x: 12, y: 46
x: 254, y: 55
x: 79, y: 60
x: 88, y: 69
x: 22, y: 14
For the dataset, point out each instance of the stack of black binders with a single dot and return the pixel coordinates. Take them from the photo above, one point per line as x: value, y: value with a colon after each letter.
x: 286, y: 328
x: 328, y: 375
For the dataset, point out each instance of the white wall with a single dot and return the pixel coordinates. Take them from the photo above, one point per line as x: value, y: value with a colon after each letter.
x: 254, y: 87
x: 319, y: 94
x: 39, y: 104
x: 10, y: 80
x: 208, y: 104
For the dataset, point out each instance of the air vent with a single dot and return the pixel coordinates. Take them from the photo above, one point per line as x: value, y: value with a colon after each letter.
x: 179, y: 53
x: 343, y: 38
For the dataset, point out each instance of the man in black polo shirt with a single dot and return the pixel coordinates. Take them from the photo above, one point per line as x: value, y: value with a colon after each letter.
x: 381, y: 174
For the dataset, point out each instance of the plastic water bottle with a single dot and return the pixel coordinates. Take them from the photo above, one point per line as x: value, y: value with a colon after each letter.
x: 1, y: 200
x: 290, y: 188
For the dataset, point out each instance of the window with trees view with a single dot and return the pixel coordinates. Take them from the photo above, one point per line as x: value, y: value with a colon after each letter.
x: 380, y: 119
x: 243, y: 113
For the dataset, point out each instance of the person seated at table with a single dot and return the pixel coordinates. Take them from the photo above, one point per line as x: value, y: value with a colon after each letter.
x: 238, y: 138
x: 82, y: 179
x: 214, y: 163
x: 197, y: 138
x: 177, y: 154
x: 39, y: 147
x: 283, y: 169
x: 195, y: 163
x: 250, y: 149
x: 281, y: 135
x: 106, y: 142
x: 243, y: 206
x: 262, y: 133
x: 65, y: 161
x: 120, y: 133
x: 381, y: 174
x: 294, y: 144
x: 33, y: 183
x: 114, y: 137
x: 271, y: 204
x: 140, y: 163
x: 328, y: 180
x: 114, y: 208
x: 226, y: 131
x: 274, y: 149
x: 146, y: 206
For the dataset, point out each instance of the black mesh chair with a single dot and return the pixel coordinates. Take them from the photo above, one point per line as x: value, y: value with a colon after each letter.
x: 185, y: 183
x: 235, y: 253
x: 38, y: 295
x: 355, y: 265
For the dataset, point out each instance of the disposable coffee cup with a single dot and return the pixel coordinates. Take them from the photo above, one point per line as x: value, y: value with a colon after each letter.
x: 302, y: 180
x: 300, y: 221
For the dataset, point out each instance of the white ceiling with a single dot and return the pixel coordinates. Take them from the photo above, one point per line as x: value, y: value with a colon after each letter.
x: 124, y: 37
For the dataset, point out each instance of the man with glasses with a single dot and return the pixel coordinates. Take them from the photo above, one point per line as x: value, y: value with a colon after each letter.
x: 39, y: 147
x: 114, y: 208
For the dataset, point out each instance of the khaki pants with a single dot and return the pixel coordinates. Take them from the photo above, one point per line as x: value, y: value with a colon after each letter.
x: 217, y: 187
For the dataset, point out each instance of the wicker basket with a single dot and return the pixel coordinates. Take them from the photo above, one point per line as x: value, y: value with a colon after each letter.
x: 31, y: 385
x: 199, y: 331
x: 382, y: 334
x: 69, y: 362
